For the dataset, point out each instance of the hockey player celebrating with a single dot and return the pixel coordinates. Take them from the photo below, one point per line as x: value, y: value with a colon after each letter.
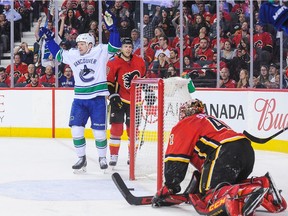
x: 88, y: 63
x: 223, y: 159
x: 121, y: 70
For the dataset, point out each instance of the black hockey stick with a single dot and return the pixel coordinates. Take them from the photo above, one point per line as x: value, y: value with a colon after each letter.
x: 262, y: 140
x: 147, y: 200
x: 129, y: 197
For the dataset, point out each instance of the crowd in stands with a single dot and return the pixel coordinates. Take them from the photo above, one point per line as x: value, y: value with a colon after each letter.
x: 161, y: 42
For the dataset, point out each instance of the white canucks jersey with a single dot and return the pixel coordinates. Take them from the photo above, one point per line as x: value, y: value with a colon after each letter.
x: 89, y: 70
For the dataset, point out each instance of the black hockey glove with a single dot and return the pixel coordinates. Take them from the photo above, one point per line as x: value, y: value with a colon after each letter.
x: 116, y: 102
x: 150, y: 97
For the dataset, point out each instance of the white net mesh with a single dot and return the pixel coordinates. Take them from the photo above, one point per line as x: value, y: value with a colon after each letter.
x: 146, y: 121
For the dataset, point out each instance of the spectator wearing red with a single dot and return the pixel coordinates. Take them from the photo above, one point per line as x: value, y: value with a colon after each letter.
x: 69, y: 4
x: 186, y: 24
x: 241, y: 7
x: 83, y: 7
x: 26, y: 77
x: 19, y: 67
x: 4, y: 78
x: 148, y: 52
x: 211, y: 69
x: 225, y: 80
x: 48, y: 79
x: 174, y: 59
x: 203, y: 52
x: 34, y: 81
x: 176, y: 40
x: 202, y: 34
x: 263, y: 44
x: 223, y: 16
x: 187, y: 50
x: 223, y: 39
x: 244, y: 32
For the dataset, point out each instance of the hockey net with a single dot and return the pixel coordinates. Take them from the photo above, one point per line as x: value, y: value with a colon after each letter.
x: 154, y: 111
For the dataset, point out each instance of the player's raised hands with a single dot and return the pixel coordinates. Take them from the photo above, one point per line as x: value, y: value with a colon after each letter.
x: 48, y: 33
x: 110, y: 20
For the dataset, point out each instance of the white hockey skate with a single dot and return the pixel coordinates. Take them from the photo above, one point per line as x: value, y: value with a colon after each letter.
x: 113, y: 160
x: 80, y: 165
x: 103, y: 163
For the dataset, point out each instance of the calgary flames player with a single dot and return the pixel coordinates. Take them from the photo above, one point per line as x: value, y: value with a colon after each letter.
x: 121, y: 70
x: 223, y: 159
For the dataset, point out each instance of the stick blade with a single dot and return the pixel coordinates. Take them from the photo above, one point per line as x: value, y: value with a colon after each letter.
x: 129, y: 197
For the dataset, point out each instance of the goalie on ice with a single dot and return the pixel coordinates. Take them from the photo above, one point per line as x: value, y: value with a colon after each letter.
x: 223, y: 158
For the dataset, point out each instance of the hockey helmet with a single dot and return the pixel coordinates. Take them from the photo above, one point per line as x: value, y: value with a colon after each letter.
x: 126, y: 40
x: 191, y: 107
x: 86, y: 37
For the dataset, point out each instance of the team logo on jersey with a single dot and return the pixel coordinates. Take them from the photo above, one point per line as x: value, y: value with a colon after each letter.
x: 258, y: 44
x: 86, y: 74
x: 127, y: 78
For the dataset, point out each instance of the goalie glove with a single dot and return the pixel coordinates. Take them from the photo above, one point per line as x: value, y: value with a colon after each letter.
x: 161, y: 197
x: 110, y: 21
x: 115, y: 102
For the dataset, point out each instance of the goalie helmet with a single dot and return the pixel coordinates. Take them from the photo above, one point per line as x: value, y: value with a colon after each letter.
x: 191, y: 107
x: 86, y: 37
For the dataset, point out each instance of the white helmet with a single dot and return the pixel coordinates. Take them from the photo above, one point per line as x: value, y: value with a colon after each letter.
x: 86, y: 37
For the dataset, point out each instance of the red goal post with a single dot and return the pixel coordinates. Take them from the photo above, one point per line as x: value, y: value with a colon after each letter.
x: 151, y: 123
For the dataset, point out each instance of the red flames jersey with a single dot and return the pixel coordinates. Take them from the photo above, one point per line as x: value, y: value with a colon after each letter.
x: 120, y: 74
x: 196, y: 137
x: 263, y: 39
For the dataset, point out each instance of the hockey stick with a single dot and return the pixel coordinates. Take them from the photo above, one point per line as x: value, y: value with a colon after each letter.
x: 262, y: 140
x: 143, y: 132
x: 129, y: 197
x: 143, y: 200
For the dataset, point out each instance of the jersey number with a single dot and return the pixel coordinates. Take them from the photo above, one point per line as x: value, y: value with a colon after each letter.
x: 217, y: 124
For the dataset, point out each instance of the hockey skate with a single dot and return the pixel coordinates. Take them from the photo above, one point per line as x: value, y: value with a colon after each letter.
x: 113, y: 160
x: 80, y: 165
x: 103, y: 163
x: 273, y: 201
x: 253, y: 200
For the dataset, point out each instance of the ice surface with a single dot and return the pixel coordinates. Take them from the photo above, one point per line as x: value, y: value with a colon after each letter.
x: 37, y: 180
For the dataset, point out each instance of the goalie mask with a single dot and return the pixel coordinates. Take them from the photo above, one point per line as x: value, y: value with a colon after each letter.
x: 191, y: 107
